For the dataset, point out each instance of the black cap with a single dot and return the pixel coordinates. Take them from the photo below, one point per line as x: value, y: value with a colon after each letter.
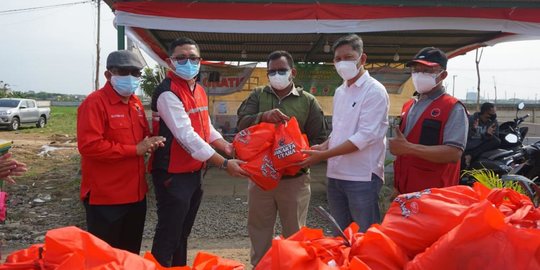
x: 123, y: 59
x: 429, y: 56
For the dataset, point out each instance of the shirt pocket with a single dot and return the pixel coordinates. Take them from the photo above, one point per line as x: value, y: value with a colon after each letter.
x: 120, y: 129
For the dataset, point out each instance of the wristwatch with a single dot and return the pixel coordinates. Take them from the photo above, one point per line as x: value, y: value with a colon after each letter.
x: 224, y: 165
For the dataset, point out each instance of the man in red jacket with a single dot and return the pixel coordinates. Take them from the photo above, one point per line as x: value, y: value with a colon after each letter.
x: 112, y: 139
x: 180, y: 114
x: 433, y: 129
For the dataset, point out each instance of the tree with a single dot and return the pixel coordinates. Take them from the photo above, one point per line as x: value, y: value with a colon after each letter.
x: 151, y: 78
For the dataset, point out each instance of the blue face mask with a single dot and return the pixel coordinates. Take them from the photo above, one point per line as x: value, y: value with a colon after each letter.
x: 125, y: 85
x: 186, y: 71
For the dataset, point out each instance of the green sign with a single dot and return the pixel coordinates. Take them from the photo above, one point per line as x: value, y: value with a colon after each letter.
x: 319, y: 80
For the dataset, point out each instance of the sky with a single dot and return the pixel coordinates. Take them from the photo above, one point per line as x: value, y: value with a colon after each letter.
x: 53, y: 50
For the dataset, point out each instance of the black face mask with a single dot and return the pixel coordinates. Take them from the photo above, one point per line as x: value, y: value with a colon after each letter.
x: 492, y: 117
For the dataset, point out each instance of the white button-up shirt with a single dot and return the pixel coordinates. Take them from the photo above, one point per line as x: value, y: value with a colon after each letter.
x: 172, y: 112
x: 360, y: 116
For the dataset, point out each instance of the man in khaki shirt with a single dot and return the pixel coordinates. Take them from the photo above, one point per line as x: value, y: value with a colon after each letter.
x: 275, y: 103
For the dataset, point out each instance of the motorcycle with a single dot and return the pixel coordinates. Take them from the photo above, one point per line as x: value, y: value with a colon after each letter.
x: 509, y: 154
x: 512, y: 127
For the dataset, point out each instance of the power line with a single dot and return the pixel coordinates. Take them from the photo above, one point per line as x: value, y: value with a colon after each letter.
x: 11, y: 11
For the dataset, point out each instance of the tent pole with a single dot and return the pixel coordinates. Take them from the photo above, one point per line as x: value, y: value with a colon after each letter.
x: 121, y: 37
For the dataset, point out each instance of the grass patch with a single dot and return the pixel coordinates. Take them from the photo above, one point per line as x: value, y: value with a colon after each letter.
x: 63, y: 121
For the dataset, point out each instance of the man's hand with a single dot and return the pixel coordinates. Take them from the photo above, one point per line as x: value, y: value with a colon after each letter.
x: 399, y: 144
x: 234, y: 169
x: 229, y: 150
x: 274, y: 116
x: 475, y: 124
x: 10, y: 167
x: 315, y: 156
x: 491, y: 130
x: 149, y: 144
x: 320, y: 147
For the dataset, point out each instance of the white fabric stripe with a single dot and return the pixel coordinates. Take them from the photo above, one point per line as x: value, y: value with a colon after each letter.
x: 196, y: 110
x: 325, y: 26
x: 137, y: 39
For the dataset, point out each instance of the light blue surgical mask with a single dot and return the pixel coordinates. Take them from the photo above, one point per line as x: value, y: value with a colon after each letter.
x: 188, y: 70
x: 125, y: 85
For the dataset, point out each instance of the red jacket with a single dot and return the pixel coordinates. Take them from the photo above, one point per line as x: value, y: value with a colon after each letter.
x: 173, y: 158
x: 413, y: 174
x: 107, y: 134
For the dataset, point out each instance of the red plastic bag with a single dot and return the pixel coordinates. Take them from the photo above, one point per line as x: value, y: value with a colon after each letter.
x: 484, y: 240
x: 3, y: 205
x: 262, y: 171
x: 207, y: 261
x: 253, y: 140
x: 288, y: 144
x: 416, y: 220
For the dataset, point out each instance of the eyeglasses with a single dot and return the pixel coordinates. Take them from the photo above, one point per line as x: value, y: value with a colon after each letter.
x: 125, y: 72
x: 282, y: 71
x: 181, y: 60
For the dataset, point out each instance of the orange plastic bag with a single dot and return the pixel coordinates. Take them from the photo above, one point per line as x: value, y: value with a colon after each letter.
x: 262, y: 171
x: 150, y: 257
x: 310, y: 249
x: 72, y: 248
x: 288, y: 144
x: 416, y: 220
x: 484, y: 240
x: 253, y: 140
x: 27, y: 259
x: 378, y: 251
x: 207, y: 261
x: 293, y: 170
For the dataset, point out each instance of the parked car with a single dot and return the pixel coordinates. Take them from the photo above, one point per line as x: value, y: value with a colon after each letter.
x: 17, y: 111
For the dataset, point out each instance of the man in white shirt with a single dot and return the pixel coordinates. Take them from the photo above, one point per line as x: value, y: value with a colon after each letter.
x: 356, y: 147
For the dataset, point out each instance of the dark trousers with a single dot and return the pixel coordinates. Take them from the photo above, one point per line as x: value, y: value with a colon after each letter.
x: 120, y: 225
x: 178, y: 198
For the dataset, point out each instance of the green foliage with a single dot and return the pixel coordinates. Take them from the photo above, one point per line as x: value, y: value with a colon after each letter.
x: 489, y: 179
x: 151, y: 78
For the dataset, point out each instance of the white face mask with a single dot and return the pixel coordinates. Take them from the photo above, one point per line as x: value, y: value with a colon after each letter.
x: 424, y: 82
x: 347, y: 69
x: 280, y: 82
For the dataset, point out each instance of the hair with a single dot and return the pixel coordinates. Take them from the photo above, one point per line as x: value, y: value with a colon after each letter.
x: 278, y: 54
x: 486, y: 107
x: 354, y: 40
x: 180, y: 42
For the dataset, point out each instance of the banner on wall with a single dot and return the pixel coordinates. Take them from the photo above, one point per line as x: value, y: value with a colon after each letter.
x: 322, y: 80
x: 224, y: 79
x: 319, y: 80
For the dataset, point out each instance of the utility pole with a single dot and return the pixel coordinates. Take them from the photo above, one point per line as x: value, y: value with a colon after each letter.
x: 477, y: 61
x: 495, y: 87
x: 454, y: 85
x: 96, y: 83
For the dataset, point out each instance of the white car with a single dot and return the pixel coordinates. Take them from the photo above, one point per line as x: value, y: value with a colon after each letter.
x: 17, y: 111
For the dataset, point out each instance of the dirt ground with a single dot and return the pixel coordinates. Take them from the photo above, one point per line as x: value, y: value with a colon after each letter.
x: 47, y: 197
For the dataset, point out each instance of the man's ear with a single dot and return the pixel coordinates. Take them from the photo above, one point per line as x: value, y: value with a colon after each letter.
x: 293, y: 73
x: 170, y: 64
x: 108, y: 75
x: 363, y: 59
x: 443, y: 76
